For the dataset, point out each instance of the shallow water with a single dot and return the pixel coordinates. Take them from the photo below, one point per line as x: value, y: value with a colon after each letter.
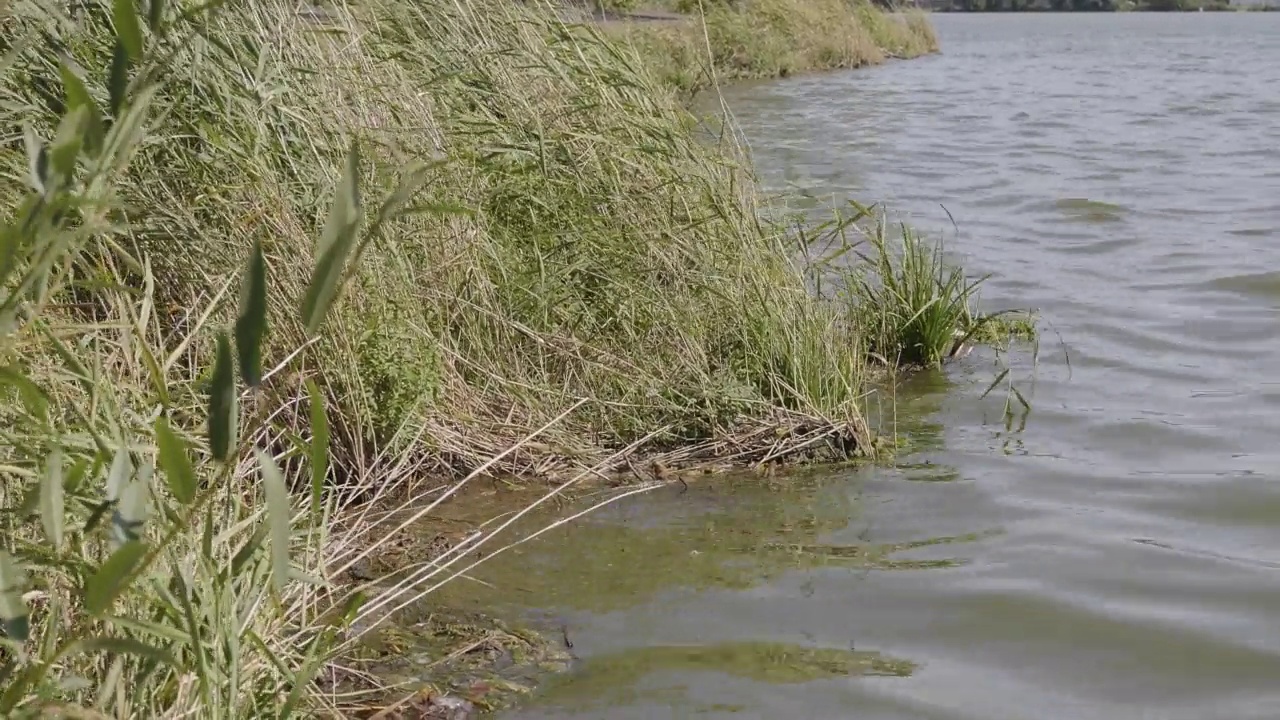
x: 1116, y: 553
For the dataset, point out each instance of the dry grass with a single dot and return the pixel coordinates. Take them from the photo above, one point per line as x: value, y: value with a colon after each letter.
x: 774, y: 38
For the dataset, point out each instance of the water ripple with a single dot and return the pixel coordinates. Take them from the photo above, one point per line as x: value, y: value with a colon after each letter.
x: 1121, y: 174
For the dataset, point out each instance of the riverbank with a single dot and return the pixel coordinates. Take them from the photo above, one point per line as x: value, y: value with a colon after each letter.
x: 367, y: 256
x: 691, y: 46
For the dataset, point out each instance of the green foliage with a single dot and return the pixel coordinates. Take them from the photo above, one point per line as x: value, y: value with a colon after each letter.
x: 399, y: 368
x: 177, y: 466
x: 222, y: 401
x: 277, y: 518
x: 252, y: 323
x: 159, y: 610
x: 336, y: 245
x: 571, y: 237
x: 918, y: 309
x: 774, y: 38
x: 14, y: 622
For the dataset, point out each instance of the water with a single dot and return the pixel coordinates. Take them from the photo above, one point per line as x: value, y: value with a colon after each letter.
x: 1119, y: 557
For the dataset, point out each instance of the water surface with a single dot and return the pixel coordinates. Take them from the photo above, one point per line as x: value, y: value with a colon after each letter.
x: 1119, y: 557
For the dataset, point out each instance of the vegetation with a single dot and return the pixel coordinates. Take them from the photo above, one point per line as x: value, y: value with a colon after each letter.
x: 919, y: 309
x: 773, y: 38
x: 523, y: 260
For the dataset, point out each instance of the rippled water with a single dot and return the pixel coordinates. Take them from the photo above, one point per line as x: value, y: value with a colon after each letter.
x: 1117, y: 558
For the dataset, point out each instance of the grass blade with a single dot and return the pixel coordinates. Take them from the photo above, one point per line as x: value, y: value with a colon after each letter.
x: 114, y: 575
x: 251, y: 325
x: 131, y: 512
x: 123, y: 646
x: 246, y: 551
x: 128, y: 32
x: 1003, y: 374
x: 194, y: 640
x: 278, y: 518
x: 67, y: 143
x: 222, y: 401
x: 315, y: 659
x: 119, y: 474
x: 52, y: 508
x: 155, y: 16
x: 33, y: 398
x: 73, y: 86
x: 319, y: 444
x: 37, y: 159
x: 175, y: 462
x: 78, y: 97
x: 118, y: 80
x: 336, y: 243
x: 1018, y: 394
x: 13, y: 609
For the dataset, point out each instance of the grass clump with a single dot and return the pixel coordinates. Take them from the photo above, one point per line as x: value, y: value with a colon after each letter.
x: 917, y: 309
x: 774, y: 38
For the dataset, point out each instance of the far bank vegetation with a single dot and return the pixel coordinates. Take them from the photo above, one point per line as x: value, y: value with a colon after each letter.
x: 767, y: 38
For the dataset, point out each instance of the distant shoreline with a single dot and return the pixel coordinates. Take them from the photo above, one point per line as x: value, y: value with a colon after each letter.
x: 1100, y: 6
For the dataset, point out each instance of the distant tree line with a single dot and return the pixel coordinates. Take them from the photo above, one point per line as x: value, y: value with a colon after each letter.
x: 1076, y: 5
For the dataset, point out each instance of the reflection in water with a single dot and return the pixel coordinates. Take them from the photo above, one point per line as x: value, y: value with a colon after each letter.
x: 1264, y: 285
x: 668, y: 565
x: 916, y: 403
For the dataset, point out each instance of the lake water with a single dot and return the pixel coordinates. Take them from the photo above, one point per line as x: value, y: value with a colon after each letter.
x: 1114, y: 554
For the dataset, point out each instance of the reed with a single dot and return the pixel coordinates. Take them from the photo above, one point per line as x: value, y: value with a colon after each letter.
x: 719, y: 40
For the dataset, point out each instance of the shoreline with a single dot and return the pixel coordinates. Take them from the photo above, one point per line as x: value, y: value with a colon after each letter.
x: 299, y: 270
x: 763, y: 40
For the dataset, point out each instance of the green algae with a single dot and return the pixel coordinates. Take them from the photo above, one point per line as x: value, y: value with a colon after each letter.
x: 733, y: 534
x: 999, y: 330
x: 1092, y: 211
x: 490, y: 661
x: 616, y: 677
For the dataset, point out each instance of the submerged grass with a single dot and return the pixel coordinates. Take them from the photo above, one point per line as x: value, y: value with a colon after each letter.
x: 575, y: 279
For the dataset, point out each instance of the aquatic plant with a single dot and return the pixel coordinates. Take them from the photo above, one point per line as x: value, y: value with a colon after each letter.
x: 916, y: 308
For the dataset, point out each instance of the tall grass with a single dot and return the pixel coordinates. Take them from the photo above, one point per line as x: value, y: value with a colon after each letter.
x: 918, y: 308
x: 536, y: 268
x: 774, y: 38
x: 577, y: 241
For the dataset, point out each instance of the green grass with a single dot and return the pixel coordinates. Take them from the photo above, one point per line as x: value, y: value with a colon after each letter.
x: 773, y: 38
x: 999, y: 330
x: 918, y: 310
x: 543, y: 270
